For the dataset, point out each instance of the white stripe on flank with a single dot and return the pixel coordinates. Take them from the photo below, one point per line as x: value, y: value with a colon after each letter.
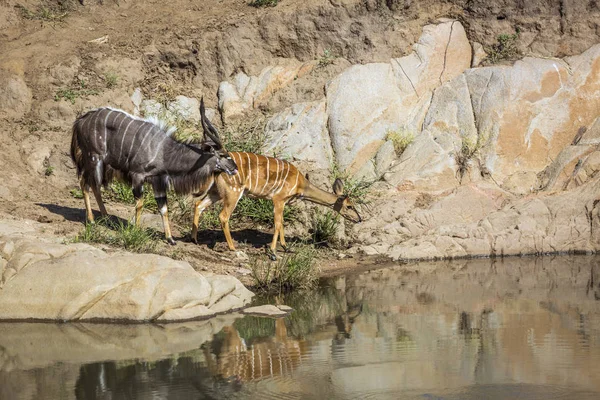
x: 106, y: 119
x: 121, y: 123
x: 295, y: 184
x: 158, y: 147
x: 276, y: 178
x: 267, y: 179
x: 141, y: 146
x: 123, y: 139
x: 257, y: 171
x: 133, y: 141
x: 284, y: 180
x: 249, y: 177
x: 95, y: 134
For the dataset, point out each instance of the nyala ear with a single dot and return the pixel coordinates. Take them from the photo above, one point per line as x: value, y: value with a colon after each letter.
x: 338, y: 187
x: 306, y: 176
x: 208, y: 145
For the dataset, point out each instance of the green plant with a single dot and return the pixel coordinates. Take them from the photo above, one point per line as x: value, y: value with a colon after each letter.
x: 251, y: 328
x: 263, y: 3
x: 122, y: 193
x: 324, y: 226
x: 247, y: 136
x: 119, y: 234
x: 111, y: 79
x: 469, y: 149
x: 400, y: 139
x: 504, y: 49
x: 260, y: 211
x: 76, y: 193
x: 78, y: 89
x: 47, y: 11
x: 294, y: 270
x: 49, y: 170
x: 357, y: 189
x: 326, y: 59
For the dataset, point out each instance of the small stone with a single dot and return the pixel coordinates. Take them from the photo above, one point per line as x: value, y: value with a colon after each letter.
x: 243, y: 271
x: 266, y: 310
x: 341, y: 256
x: 285, y: 308
x: 241, y: 256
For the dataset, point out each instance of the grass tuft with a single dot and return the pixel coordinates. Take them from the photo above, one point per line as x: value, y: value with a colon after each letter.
x: 358, y: 190
x: 47, y: 11
x: 263, y: 3
x: 76, y: 193
x: 324, y: 227
x: 111, y: 79
x: 76, y: 90
x: 292, y: 271
x: 119, y: 234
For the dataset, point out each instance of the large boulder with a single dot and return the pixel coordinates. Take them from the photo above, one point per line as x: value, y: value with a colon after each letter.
x: 366, y: 102
x: 246, y: 93
x: 49, y: 281
x: 508, y: 122
x: 300, y: 133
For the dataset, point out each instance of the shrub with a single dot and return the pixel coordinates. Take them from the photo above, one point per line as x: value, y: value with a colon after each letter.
x: 400, y: 139
x: 504, y: 49
x: 247, y: 136
x: 294, y: 270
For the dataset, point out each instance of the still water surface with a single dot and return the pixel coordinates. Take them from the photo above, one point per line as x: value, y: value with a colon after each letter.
x: 513, y: 329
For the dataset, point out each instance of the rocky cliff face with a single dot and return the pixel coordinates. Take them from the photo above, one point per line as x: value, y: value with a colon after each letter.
x: 497, y: 150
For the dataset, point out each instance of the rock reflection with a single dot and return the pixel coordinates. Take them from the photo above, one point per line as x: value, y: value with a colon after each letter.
x: 449, y: 329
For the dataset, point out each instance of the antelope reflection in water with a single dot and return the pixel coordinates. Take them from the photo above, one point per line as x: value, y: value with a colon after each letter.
x: 279, y: 355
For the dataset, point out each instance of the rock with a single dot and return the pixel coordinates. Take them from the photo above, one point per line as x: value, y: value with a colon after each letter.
x: 384, y: 158
x: 44, y: 280
x: 36, y: 153
x: 136, y: 98
x: 241, y: 256
x: 285, y: 308
x: 63, y: 74
x: 186, y: 108
x: 366, y: 102
x: 479, y: 54
x: 33, y: 346
x: 15, y: 96
x: 56, y: 113
x: 300, y: 133
x: 266, y: 310
x: 250, y: 92
x: 149, y: 108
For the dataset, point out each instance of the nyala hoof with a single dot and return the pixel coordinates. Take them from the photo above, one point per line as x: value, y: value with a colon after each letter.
x: 271, y: 254
x: 171, y: 241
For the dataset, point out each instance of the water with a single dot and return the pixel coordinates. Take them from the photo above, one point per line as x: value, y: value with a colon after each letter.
x: 514, y: 329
